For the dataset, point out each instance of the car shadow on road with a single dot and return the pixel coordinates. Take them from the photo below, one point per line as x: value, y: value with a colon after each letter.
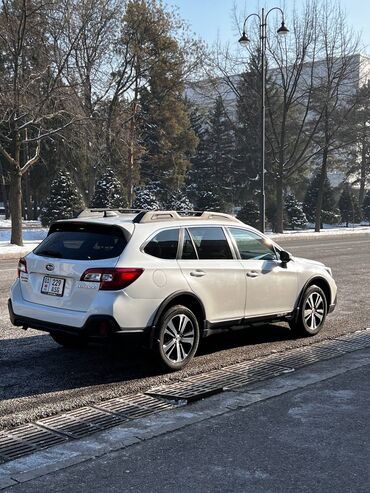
x: 37, y: 365
x: 245, y: 336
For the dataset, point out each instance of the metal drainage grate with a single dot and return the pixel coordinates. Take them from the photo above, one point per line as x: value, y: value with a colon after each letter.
x: 297, y: 358
x: 82, y: 422
x: 136, y: 406
x: 337, y: 345
x: 12, y: 448
x: 36, y: 436
x: 358, y: 340
x: 201, y: 386
x: 188, y: 390
x: 249, y: 372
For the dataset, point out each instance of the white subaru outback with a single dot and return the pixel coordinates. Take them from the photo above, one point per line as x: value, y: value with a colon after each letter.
x: 170, y: 277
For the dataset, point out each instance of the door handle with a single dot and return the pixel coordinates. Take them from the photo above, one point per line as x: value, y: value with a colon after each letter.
x: 252, y: 273
x: 197, y: 273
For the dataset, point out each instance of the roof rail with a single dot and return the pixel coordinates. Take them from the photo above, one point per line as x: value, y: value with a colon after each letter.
x: 150, y: 216
x: 106, y: 212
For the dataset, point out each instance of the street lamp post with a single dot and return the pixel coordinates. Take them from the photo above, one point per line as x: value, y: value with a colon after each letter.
x: 244, y: 40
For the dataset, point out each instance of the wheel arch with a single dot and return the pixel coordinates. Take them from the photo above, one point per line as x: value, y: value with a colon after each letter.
x: 190, y: 300
x: 322, y: 283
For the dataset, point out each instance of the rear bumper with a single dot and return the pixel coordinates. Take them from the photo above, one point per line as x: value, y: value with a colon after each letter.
x: 95, y: 327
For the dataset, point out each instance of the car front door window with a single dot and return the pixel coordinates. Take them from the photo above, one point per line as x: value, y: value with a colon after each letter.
x: 271, y: 285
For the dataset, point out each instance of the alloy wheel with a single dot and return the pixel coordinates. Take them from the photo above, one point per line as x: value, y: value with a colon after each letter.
x: 314, y: 310
x: 178, y: 338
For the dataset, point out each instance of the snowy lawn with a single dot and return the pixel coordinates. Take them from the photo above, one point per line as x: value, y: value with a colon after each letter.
x: 6, y: 223
x: 34, y: 234
x: 14, y: 251
x: 357, y: 229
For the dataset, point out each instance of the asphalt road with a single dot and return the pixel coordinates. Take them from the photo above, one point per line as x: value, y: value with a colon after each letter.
x: 306, y: 432
x: 38, y: 378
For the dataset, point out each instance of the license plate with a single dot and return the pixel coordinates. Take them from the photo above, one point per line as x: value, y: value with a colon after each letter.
x: 54, y: 286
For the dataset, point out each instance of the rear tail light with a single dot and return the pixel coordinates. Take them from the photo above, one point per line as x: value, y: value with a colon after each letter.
x: 112, y: 279
x: 22, y: 266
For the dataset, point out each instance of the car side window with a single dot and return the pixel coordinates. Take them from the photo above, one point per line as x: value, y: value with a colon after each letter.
x: 211, y: 243
x: 252, y: 246
x: 164, y: 244
x: 188, y: 250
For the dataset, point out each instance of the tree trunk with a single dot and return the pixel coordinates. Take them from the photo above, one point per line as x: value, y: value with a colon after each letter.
x: 15, y: 202
x: 320, y: 195
x: 27, y: 197
x: 3, y: 191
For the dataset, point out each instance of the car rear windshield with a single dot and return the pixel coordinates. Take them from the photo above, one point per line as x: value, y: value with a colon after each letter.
x: 78, y: 241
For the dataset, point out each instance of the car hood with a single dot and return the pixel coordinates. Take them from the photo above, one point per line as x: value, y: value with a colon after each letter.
x: 308, y: 261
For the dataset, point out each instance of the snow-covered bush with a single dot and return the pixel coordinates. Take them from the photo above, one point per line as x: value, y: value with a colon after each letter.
x: 146, y: 197
x: 249, y: 214
x: 179, y: 202
x: 109, y: 192
x: 296, y: 218
x: 63, y: 201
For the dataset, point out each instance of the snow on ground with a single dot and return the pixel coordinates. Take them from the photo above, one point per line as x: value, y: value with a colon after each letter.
x: 14, y: 251
x: 311, y: 232
x: 34, y: 234
x: 6, y: 223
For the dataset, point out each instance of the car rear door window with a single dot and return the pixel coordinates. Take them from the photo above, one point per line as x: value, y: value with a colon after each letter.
x: 164, y: 244
x: 82, y: 242
x: 211, y: 243
x: 252, y: 246
x: 188, y: 250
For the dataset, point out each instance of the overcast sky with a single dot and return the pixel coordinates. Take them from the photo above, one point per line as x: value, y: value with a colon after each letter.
x: 212, y: 19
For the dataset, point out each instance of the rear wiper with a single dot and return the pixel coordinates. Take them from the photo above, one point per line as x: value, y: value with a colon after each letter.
x: 49, y: 253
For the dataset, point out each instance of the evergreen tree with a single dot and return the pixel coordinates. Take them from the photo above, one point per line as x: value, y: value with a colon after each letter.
x: 294, y: 211
x: 247, y: 157
x: 220, y: 147
x: 64, y: 199
x: 146, y: 197
x: 348, y: 205
x: 211, y: 174
x: 366, y: 207
x: 197, y: 180
x: 249, y: 214
x: 310, y: 200
x: 109, y: 192
x: 168, y: 139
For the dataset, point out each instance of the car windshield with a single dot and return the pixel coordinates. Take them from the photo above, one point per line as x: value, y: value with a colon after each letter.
x: 82, y: 242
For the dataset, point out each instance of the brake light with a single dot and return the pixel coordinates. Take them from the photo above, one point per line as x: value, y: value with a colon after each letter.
x: 112, y: 279
x: 22, y: 266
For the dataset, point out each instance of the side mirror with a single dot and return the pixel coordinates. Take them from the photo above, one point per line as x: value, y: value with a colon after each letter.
x: 285, y: 256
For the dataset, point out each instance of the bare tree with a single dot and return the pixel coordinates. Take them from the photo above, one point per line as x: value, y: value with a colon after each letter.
x: 335, y: 87
x: 296, y: 68
x: 33, y: 96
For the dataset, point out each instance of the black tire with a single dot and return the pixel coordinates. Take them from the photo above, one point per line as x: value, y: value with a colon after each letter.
x: 177, y: 338
x: 69, y: 341
x: 312, y: 312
